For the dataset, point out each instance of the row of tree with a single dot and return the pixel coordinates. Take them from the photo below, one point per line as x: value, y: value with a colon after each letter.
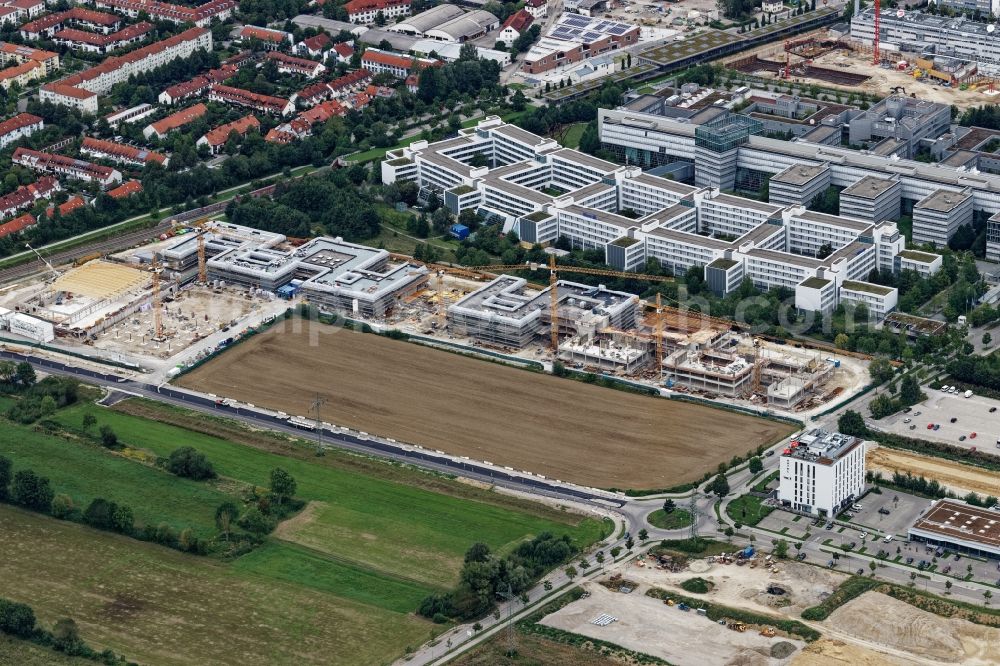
x: 18, y: 620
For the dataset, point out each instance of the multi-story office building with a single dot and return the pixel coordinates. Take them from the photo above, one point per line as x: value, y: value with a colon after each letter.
x: 880, y: 300
x: 798, y: 185
x: 543, y: 192
x: 872, y: 198
x: 993, y: 238
x: 938, y: 216
x: 651, y: 140
x: 905, y: 120
x: 822, y: 473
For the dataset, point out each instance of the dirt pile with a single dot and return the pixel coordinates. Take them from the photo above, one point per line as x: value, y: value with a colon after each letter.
x: 880, y: 619
x: 827, y: 652
x: 956, y: 476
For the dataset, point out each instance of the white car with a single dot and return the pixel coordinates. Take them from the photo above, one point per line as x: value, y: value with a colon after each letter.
x: 907, y: 420
x: 864, y: 535
x: 888, y: 538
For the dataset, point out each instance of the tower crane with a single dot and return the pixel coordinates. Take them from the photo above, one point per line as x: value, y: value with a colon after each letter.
x: 157, y: 303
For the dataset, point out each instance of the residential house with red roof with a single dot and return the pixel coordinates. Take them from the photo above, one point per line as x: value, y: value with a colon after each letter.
x: 342, y: 51
x: 17, y: 225
x: 397, y: 64
x: 515, y: 26
x: 201, y: 16
x: 216, y: 138
x: 299, y: 66
x: 25, y: 196
x: 162, y: 127
x: 269, y: 38
x: 126, y: 189
x: 67, y: 166
x: 315, y: 46
x: 278, y: 106
x: 121, y: 152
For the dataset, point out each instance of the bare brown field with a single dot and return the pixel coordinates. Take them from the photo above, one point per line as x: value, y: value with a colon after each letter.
x: 557, y: 427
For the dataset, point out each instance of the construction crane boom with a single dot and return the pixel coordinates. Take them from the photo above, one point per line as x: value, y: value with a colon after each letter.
x: 202, y: 263
x: 157, y: 304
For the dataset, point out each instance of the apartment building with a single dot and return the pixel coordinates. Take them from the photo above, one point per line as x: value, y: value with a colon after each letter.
x: 201, y: 16
x: 67, y: 166
x: 47, y: 26
x: 92, y: 42
x: 543, y: 192
x: 377, y: 61
x: 366, y: 12
x: 80, y: 90
x: 25, y: 196
x: 25, y: 64
x: 18, y: 127
x: 822, y: 473
x: 873, y: 199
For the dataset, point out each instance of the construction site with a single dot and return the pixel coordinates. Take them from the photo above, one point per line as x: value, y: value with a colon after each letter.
x: 833, y: 60
x: 591, y: 328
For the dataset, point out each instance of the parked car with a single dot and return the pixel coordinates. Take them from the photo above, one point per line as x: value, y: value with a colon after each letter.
x: 829, y: 524
x: 861, y: 572
x: 907, y: 420
x: 864, y: 535
x: 884, y: 511
x: 992, y: 409
x: 937, y: 426
x: 954, y: 419
x: 913, y: 427
x: 930, y: 426
x: 962, y: 438
x: 917, y: 413
x: 946, y: 569
x: 909, y: 560
x: 972, y: 435
x: 800, y: 557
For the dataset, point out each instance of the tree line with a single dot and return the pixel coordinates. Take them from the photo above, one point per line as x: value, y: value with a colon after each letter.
x: 18, y: 620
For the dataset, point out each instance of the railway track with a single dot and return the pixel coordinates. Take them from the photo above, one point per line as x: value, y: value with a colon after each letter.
x: 106, y: 246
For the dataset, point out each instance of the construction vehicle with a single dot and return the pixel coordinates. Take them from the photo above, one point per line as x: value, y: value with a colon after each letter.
x: 669, y: 602
x: 767, y: 632
x: 684, y: 607
x: 737, y: 626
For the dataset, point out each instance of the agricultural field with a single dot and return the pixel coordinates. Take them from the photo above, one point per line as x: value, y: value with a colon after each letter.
x: 159, y: 606
x: 340, y: 578
x: 557, y: 427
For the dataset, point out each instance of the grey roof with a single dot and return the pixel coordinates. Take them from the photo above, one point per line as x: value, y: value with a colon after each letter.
x: 835, y: 220
x: 331, y: 26
x: 375, y: 36
x: 740, y: 202
x: 800, y: 174
x: 943, y: 201
x: 428, y: 20
x: 870, y: 187
x: 466, y: 26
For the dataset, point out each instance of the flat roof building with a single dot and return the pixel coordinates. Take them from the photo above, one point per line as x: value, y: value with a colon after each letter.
x: 872, y: 198
x: 798, y: 185
x: 938, y: 216
x: 822, y: 472
x: 958, y: 526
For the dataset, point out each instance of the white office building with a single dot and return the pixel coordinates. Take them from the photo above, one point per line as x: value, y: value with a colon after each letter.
x: 822, y: 473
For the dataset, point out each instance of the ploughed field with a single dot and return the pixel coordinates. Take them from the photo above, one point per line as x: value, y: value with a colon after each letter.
x: 561, y: 428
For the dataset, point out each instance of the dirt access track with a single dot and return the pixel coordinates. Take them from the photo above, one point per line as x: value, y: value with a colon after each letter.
x: 557, y: 427
x: 956, y: 476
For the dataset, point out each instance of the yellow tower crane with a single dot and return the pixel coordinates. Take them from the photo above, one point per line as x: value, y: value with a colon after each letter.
x: 202, y: 264
x: 157, y: 303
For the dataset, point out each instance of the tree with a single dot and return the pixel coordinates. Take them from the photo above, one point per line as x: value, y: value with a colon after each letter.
x: 841, y: 341
x: 629, y: 543
x: 32, y: 491
x: 852, y: 423
x: 571, y: 572
x: 987, y: 595
x: 825, y: 250
x: 62, y: 506
x: 122, y: 519
x: 518, y: 101
x: 872, y: 566
x: 254, y: 521
x: 987, y: 339
x: 881, y: 370
x: 947, y: 587
x: 16, y: 619
x: 780, y: 548
x: 25, y: 374
x: 88, y: 421
x: 756, y: 465
x: 66, y: 636
x: 478, y: 552
x: 883, y: 405
x: 668, y: 506
x: 190, y: 463
x: 225, y: 515
x: 599, y: 557
x: 720, y: 486
x: 909, y: 390
x: 109, y: 439
x: 283, y: 486
x: 643, y: 535
x: 6, y: 475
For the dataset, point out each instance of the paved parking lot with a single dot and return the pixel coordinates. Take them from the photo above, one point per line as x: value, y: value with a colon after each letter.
x: 903, y: 511
x: 973, y: 415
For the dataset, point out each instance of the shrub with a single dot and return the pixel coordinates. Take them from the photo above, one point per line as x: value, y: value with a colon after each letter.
x: 109, y: 439
x: 255, y: 522
x: 62, y: 506
x: 191, y: 464
x: 16, y: 619
x: 696, y: 585
x: 32, y: 491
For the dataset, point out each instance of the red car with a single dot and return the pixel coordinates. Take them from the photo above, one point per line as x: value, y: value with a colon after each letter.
x: 972, y: 436
x: 930, y: 426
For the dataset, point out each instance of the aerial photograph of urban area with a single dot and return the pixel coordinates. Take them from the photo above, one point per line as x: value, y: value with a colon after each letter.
x: 500, y: 333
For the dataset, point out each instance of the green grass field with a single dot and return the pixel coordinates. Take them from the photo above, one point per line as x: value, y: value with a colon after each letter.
x: 85, y: 471
x: 571, y: 139
x: 14, y: 652
x: 159, y: 606
x: 748, y: 509
x: 355, y: 518
x: 674, y: 520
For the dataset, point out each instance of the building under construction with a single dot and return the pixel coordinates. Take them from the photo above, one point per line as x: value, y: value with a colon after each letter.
x: 507, y: 312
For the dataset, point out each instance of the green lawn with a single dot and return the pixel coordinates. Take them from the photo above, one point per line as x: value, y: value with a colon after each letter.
x: 85, y: 471
x: 674, y: 520
x: 748, y: 509
x: 383, y: 525
x: 571, y: 139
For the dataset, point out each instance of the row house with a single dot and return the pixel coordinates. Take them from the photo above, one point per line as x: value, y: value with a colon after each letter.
x: 366, y: 12
x: 17, y: 225
x: 264, y: 103
x: 377, y: 61
x: 196, y: 86
x: 25, y: 196
x: 270, y: 39
x: 67, y: 166
x: 120, y: 152
x: 339, y: 87
x: 47, y: 26
x: 217, y: 137
x: 300, y: 66
x: 176, y: 120
x: 92, y: 42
